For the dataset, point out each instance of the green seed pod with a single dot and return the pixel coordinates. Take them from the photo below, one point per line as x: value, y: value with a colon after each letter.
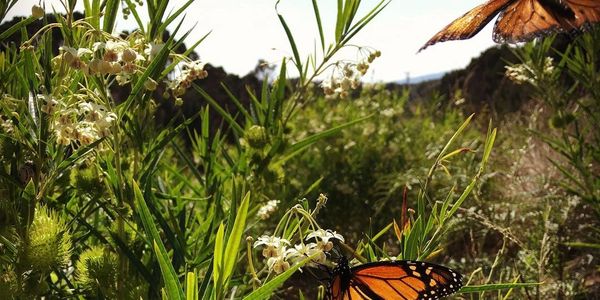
x: 97, y: 272
x: 85, y: 179
x: 256, y: 136
x: 9, y: 285
x: 48, y: 243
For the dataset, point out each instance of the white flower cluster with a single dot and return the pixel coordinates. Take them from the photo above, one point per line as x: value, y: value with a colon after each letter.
x: 278, y: 255
x: 124, y: 58
x: 346, y: 77
x: 265, y: 211
x: 191, y: 71
x: 525, y: 73
x: 6, y: 126
x: 115, y: 57
x: 84, y: 124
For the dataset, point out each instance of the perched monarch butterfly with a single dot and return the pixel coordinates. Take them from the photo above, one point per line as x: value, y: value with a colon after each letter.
x: 521, y: 20
x: 403, y: 280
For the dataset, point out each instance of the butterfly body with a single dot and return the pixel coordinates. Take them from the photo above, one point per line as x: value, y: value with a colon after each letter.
x: 521, y: 20
x: 403, y: 280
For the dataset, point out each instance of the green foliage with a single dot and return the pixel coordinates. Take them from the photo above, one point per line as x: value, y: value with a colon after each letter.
x: 570, y: 89
x: 97, y: 272
x: 369, y: 165
x: 89, y: 179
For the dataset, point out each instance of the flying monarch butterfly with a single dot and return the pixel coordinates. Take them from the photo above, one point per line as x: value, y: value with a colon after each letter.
x: 402, y: 280
x: 521, y: 20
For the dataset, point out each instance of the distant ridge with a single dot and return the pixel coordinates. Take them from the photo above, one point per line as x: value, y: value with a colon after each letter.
x: 422, y: 78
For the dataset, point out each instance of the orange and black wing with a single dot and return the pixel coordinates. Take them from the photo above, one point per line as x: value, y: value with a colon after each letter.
x: 403, y: 280
x: 470, y: 23
x: 526, y: 19
x: 587, y: 12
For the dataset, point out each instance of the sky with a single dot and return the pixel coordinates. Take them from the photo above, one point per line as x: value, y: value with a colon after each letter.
x: 244, y: 31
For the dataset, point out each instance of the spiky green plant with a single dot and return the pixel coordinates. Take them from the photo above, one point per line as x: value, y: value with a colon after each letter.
x: 9, y: 285
x: 48, y: 242
x: 97, y: 272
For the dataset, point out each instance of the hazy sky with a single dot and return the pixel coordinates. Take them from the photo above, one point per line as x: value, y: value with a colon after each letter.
x: 244, y: 31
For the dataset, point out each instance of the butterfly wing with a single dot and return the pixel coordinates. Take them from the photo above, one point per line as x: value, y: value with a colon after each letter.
x: 470, y: 23
x: 586, y: 11
x: 526, y: 19
x: 406, y: 280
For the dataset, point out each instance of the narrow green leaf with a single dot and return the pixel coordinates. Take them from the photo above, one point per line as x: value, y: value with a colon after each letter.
x: 339, y: 21
x: 290, y: 37
x: 154, y: 238
x: 110, y: 15
x: 496, y: 287
x: 218, y: 264
x: 319, y: 23
x: 174, y: 16
x: 233, y: 242
x: 583, y: 245
x: 266, y: 291
x: 236, y: 101
x: 191, y: 286
x: 172, y: 288
x: 24, y: 22
x: 236, y: 127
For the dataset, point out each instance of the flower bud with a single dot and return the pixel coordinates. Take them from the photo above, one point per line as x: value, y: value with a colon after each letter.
x: 105, y: 67
x: 115, y: 68
x: 150, y: 84
x: 37, y: 12
x: 94, y: 66
x: 128, y: 55
x: 256, y: 136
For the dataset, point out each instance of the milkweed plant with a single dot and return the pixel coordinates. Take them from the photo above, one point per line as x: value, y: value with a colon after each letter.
x: 99, y: 200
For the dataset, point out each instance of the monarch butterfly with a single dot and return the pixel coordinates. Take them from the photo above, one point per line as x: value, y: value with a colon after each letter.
x: 403, y: 279
x: 521, y: 20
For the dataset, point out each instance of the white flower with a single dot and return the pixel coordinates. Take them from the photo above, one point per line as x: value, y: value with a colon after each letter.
x: 389, y: 112
x: 85, y: 107
x: 6, y: 125
x: 73, y: 57
x: 349, y: 145
x: 98, y: 46
x: 85, y: 133
x: 153, y: 49
x: 548, y: 65
x: 62, y: 137
x: 274, y: 246
x: 278, y: 264
x: 265, y: 211
x: 301, y: 251
x: 325, y: 235
x: 194, y: 70
x: 123, y: 79
x: 49, y: 103
x: 116, y: 46
x: 323, y: 238
x: 329, y: 92
x: 520, y: 73
x: 76, y: 52
x: 194, y: 65
x: 346, y: 83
